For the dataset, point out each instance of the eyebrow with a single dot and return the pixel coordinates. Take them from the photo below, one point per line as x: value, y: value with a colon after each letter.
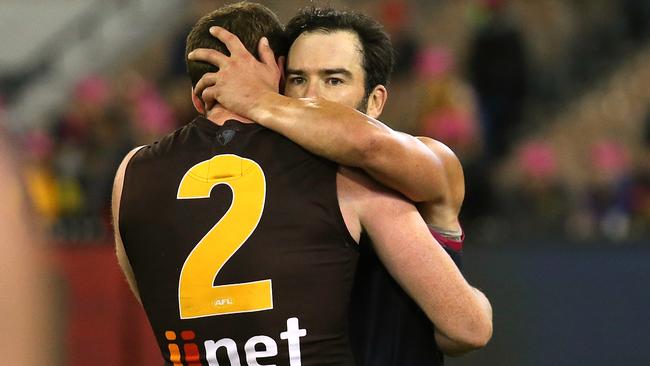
x: 343, y: 71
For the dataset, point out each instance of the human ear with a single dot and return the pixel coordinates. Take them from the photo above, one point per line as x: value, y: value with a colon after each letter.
x: 198, y: 103
x: 377, y: 101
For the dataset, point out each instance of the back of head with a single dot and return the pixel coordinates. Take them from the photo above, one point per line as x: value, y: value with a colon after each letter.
x: 378, y: 54
x: 248, y: 21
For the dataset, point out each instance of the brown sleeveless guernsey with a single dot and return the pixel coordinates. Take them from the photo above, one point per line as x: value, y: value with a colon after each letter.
x: 238, y: 248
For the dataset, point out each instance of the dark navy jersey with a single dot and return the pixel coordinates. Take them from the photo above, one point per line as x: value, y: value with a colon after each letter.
x: 239, y: 249
x: 387, y: 327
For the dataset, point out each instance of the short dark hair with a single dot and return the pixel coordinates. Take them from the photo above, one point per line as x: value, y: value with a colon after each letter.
x: 378, y: 54
x: 248, y: 21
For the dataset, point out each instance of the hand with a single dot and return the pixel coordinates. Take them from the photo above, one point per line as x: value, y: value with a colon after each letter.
x: 241, y: 79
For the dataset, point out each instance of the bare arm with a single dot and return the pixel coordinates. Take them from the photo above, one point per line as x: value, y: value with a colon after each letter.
x: 122, y: 259
x: 24, y: 303
x: 351, y: 138
x: 443, y: 213
x: 334, y: 131
x: 461, y: 315
x: 454, y: 348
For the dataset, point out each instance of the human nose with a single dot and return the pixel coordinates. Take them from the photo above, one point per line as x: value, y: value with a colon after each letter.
x: 312, y: 90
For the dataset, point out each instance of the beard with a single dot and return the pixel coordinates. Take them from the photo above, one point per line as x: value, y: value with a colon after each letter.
x: 362, y: 106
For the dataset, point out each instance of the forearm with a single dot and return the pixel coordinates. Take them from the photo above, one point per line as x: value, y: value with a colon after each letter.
x: 420, y: 265
x: 454, y: 348
x: 426, y: 272
x: 324, y: 128
x: 349, y: 137
x: 459, y: 313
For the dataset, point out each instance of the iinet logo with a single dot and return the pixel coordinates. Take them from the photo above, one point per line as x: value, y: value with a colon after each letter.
x: 191, y: 350
x: 255, y: 348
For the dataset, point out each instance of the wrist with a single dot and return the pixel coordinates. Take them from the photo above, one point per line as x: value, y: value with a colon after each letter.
x: 265, y: 107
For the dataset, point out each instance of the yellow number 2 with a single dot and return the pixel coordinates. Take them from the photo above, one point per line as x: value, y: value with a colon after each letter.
x: 197, y: 295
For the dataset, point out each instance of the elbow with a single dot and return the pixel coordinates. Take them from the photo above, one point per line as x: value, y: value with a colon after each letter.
x: 476, y: 335
x: 471, y: 337
x: 419, y: 196
x: 481, y: 335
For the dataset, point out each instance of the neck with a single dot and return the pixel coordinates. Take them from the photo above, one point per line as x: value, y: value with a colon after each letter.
x: 219, y: 115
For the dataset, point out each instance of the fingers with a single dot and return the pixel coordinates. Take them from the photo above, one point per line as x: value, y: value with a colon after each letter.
x: 205, y: 82
x: 283, y: 77
x: 208, y: 98
x: 231, y: 41
x: 208, y: 55
x: 266, y: 53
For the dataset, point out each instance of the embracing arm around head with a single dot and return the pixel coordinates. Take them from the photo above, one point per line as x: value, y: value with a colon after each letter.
x: 122, y: 259
x: 462, y: 315
x: 250, y: 88
x: 349, y: 137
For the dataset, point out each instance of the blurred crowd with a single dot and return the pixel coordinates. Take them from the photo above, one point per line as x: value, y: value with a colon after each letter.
x: 545, y: 103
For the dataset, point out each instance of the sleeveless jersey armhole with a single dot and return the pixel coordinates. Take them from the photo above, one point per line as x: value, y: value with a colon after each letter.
x: 338, y: 215
x: 124, y: 185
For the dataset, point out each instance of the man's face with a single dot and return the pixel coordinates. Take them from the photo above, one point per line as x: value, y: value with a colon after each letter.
x: 328, y: 66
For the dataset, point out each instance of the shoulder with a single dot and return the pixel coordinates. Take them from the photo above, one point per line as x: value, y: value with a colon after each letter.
x: 366, y: 197
x: 119, y: 176
x: 125, y: 162
x: 183, y: 138
x: 363, y: 201
x: 357, y: 184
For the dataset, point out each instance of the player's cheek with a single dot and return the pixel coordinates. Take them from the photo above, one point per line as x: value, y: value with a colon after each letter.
x: 293, y: 91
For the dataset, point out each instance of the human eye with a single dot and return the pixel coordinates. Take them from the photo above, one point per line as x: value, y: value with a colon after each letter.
x: 334, y: 81
x: 296, y: 80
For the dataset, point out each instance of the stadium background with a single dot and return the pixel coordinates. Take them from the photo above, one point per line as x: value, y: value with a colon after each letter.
x: 547, y: 104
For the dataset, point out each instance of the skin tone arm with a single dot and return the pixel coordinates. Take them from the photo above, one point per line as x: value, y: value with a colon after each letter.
x: 325, y: 128
x: 443, y: 213
x: 24, y: 305
x: 122, y: 259
x: 453, y: 348
x: 462, y: 315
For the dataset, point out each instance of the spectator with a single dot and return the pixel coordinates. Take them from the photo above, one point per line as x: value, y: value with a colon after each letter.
x: 497, y: 69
